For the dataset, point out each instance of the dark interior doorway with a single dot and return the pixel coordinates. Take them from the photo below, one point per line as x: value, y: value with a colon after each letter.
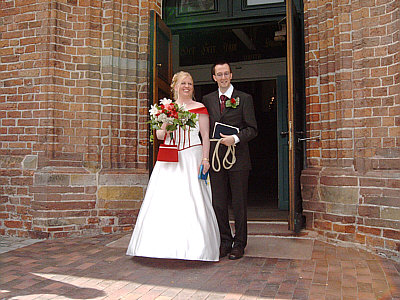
x: 263, y: 180
x: 253, y: 36
x: 252, y: 44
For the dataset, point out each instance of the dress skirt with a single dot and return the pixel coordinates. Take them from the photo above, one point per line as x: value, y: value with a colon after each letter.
x: 176, y: 219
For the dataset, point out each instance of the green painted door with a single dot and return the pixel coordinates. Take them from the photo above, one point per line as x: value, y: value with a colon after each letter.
x: 160, y: 69
x: 283, y: 146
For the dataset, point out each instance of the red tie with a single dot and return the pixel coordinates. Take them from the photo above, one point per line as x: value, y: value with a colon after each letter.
x: 222, y: 103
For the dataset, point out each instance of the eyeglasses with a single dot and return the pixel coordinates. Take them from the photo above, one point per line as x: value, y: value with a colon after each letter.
x: 220, y: 75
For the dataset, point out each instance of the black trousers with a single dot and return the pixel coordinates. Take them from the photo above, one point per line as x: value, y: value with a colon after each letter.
x: 232, y: 186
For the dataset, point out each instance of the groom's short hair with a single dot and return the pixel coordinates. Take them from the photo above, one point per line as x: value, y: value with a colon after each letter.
x: 222, y: 62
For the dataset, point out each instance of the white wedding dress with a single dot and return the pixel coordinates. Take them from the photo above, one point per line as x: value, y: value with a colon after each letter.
x: 176, y: 219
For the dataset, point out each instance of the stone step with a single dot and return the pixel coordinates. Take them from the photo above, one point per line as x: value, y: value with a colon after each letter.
x: 264, y: 228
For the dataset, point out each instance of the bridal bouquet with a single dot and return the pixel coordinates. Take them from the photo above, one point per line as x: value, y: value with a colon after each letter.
x: 171, y: 113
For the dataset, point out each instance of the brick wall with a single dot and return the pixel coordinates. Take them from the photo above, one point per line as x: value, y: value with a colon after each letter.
x: 73, y: 107
x: 351, y: 189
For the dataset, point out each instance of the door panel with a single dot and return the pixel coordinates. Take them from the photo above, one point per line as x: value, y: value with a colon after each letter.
x: 283, y: 148
x: 163, y: 52
x: 190, y: 13
x: 160, y: 69
x: 295, y: 75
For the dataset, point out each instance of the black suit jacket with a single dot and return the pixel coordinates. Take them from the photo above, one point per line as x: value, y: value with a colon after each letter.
x: 242, y: 117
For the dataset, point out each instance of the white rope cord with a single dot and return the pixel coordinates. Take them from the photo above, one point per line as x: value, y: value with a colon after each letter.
x: 225, y: 162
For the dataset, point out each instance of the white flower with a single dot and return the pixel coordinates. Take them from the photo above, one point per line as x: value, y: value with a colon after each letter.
x: 153, y: 110
x: 183, y: 107
x: 184, y: 120
x: 162, y: 118
x: 165, y: 101
x: 169, y: 120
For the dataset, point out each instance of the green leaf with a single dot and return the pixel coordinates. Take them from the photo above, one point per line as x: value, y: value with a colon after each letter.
x: 191, y: 123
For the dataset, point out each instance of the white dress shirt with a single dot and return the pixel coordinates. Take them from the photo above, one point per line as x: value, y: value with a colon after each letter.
x: 228, y: 94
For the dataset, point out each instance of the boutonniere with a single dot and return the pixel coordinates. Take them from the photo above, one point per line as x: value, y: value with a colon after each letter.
x: 233, y: 102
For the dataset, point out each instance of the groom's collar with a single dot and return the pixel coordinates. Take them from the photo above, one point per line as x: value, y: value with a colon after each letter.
x: 228, y: 93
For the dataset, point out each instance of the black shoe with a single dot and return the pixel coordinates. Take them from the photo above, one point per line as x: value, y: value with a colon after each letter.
x: 236, y: 253
x: 224, y: 251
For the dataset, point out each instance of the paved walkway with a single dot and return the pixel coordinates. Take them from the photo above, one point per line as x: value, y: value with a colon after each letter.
x: 8, y: 243
x: 90, y: 268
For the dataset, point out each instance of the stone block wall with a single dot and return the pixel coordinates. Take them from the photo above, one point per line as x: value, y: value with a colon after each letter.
x: 73, y: 112
x: 75, y: 201
x: 351, y: 188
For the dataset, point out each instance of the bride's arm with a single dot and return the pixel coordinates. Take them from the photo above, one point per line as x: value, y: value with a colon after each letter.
x: 204, y: 123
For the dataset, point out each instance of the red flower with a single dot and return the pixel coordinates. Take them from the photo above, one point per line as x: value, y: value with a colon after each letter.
x: 170, y: 107
x: 233, y: 103
x: 174, y: 114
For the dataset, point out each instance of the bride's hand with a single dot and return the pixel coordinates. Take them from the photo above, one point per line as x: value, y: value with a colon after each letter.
x: 164, y: 127
x: 206, y: 166
x: 162, y: 133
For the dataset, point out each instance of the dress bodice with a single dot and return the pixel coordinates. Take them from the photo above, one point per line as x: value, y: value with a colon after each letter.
x: 188, y: 137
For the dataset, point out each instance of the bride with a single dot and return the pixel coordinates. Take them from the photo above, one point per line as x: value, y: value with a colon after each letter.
x: 176, y: 219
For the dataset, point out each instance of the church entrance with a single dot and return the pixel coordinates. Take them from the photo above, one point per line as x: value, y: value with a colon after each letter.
x: 253, y: 37
x: 257, y: 59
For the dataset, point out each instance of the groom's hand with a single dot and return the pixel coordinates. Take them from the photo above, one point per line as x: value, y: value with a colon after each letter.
x: 227, y: 140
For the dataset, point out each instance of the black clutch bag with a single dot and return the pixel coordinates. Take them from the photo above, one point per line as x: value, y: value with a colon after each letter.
x: 224, y: 129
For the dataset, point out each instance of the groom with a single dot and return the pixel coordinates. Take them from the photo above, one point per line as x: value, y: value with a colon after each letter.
x: 235, y: 108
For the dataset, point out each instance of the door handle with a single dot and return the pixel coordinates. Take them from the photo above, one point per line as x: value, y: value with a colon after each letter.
x: 284, y: 133
x: 316, y: 138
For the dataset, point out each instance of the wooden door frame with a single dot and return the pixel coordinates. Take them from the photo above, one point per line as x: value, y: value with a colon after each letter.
x: 296, y: 219
x: 290, y: 97
x: 156, y: 83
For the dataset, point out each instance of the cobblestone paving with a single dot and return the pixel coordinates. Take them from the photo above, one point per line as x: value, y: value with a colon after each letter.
x: 8, y: 243
x: 85, y: 268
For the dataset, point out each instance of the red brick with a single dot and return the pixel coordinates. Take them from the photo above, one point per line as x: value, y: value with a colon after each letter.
x: 369, y: 211
x: 339, y: 181
x: 344, y: 228
x: 360, y: 238
x: 13, y: 224
x: 375, y: 242
x: 325, y: 225
x: 392, y: 234
x: 370, y: 230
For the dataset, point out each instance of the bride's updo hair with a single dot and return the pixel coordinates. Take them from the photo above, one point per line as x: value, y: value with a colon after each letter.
x: 176, y: 81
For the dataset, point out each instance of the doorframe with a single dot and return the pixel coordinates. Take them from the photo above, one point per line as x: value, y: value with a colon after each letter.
x: 157, y: 83
x: 296, y: 104
x: 293, y: 214
x: 290, y: 98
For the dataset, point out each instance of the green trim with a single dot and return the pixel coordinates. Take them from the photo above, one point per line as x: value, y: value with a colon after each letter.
x: 221, y: 24
x: 228, y: 13
x: 150, y: 72
x: 283, y: 147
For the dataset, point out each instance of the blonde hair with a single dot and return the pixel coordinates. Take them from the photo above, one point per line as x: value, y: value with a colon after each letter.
x: 176, y: 80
